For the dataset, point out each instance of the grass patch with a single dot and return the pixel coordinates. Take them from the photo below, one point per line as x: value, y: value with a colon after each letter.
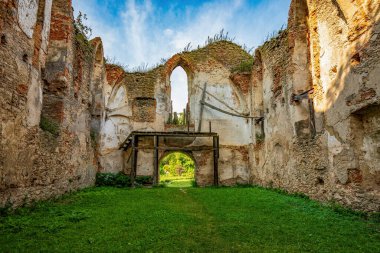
x: 252, y: 219
x: 49, y: 125
x: 244, y: 66
x: 178, y: 181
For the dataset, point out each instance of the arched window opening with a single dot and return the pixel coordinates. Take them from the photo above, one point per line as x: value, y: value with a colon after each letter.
x: 177, y: 169
x: 179, y: 97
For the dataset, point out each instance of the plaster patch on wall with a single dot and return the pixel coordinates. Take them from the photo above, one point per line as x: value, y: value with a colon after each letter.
x: 325, y: 54
x: 27, y: 16
x: 46, y: 27
x: 335, y: 147
x: 34, y: 103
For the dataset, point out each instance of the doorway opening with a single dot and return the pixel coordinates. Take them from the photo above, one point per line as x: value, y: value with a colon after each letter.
x: 177, y: 169
x: 179, y: 96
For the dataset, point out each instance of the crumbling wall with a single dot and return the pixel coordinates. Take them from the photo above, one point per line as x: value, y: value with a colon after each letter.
x: 45, y: 99
x: 324, y: 146
x: 313, y: 90
x: 142, y: 101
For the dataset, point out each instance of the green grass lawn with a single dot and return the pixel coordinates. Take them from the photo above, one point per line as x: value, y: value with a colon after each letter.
x: 185, y: 220
x: 177, y: 181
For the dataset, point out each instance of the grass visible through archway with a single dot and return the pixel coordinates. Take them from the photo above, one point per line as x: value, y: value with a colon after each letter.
x: 177, y: 170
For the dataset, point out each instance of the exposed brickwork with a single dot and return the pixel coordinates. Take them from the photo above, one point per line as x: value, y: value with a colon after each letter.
x: 64, y: 112
x: 43, y: 162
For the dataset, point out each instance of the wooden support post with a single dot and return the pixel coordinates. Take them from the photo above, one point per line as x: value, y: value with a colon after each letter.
x: 313, y: 130
x: 202, y: 107
x: 216, y: 156
x: 188, y: 117
x: 134, y: 159
x: 155, y: 172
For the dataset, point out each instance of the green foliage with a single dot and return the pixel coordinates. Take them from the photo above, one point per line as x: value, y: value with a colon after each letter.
x: 175, y: 119
x: 177, y: 164
x: 6, y: 210
x: 77, y: 216
x: 178, y: 119
x: 115, y: 180
x: 260, y: 137
x: 244, y: 66
x: 114, y: 62
x: 120, y: 180
x: 81, y: 27
x: 221, y: 36
x: 143, y: 180
x: 49, y: 125
x: 83, y: 34
x: 186, y: 220
x: 187, y: 48
x: 93, y: 136
x: 275, y: 34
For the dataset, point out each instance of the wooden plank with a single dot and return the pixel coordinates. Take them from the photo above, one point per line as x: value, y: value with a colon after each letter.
x: 313, y: 130
x: 228, y: 113
x: 134, y: 158
x: 188, y: 117
x: 216, y: 155
x: 176, y: 134
x: 202, y: 107
x: 155, y: 172
x: 178, y: 148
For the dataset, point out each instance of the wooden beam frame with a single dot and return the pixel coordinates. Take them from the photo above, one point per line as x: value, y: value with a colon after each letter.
x: 215, y: 141
x: 155, y: 161
x: 133, y: 139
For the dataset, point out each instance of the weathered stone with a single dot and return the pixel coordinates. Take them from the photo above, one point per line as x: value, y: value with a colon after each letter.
x: 64, y: 112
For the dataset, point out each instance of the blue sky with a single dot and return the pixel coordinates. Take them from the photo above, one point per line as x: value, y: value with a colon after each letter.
x: 136, y: 32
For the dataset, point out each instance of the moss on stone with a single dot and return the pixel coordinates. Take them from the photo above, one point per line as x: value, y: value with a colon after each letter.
x: 49, y: 125
x: 244, y: 66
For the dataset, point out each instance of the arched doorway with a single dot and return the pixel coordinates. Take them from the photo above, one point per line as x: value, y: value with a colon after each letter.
x: 177, y: 169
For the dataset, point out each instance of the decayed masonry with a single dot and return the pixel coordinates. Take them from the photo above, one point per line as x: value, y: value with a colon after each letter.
x: 304, y: 116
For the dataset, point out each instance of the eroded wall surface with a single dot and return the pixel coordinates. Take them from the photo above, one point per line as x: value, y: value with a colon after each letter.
x: 326, y: 146
x: 313, y: 90
x: 141, y: 102
x: 45, y: 147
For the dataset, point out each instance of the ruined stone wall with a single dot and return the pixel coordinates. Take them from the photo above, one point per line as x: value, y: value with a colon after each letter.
x: 64, y: 112
x: 141, y: 102
x: 45, y: 100
x: 326, y: 147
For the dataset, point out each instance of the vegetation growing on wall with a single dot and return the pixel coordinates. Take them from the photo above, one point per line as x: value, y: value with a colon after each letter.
x: 274, y: 40
x: 82, y: 34
x: 244, y: 66
x: 113, y: 62
x: 49, y: 125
